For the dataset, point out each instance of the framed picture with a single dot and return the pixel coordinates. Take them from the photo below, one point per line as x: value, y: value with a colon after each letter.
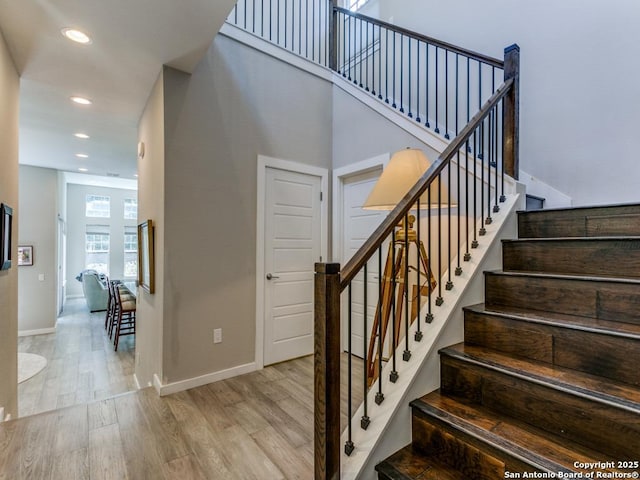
x: 25, y: 255
x: 146, y: 272
x: 6, y: 214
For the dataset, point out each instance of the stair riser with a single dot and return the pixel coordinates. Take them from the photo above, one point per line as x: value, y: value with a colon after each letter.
x: 597, y: 257
x: 608, y: 356
x: 590, y: 222
x: 603, y: 300
x: 601, y: 427
x: 471, y: 455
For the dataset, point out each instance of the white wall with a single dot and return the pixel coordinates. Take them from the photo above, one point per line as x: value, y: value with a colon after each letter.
x: 238, y: 104
x: 38, y: 228
x: 9, y: 92
x: 77, y: 222
x: 579, y: 93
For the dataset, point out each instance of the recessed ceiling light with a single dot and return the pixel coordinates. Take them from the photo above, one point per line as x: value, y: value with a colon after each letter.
x: 76, y: 35
x: 84, y: 136
x: 82, y: 155
x: 83, y: 169
x: 81, y: 100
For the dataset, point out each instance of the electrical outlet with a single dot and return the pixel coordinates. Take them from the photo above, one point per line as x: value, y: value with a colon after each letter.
x: 217, y: 335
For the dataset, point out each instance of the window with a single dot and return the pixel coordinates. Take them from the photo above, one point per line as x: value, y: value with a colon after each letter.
x: 130, y: 252
x: 130, y: 209
x: 98, y: 206
x: 355, y: 5
x: 97, y: 248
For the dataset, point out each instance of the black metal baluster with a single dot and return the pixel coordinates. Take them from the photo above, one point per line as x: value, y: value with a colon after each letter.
x: 349, y: 48
x: 278, y: 22
x: 457, y: 93
x: 293, y: 26
x: 418, y: 86
x: 437, y: 130
x: 406, y: 355
x: 348, y: 446
x: 380, y: 63
x: 474, y: 243
x: 262, y: 17
x: 285, y: 23
x: 393, y: 376
x: 449, y: 285
x: 446, y: 94
x: 253, y: 17
x: 300, y: 30
x: 365, y: 420
x: 344, y: 46
x: 235, y: 14
x: 480, y: 155
x: 467, y: 254
x: 373, y: 59
x: 379, y: 394
x: 458, y: 267
x: 270, y: 20
x: 429, y: 317
x: 439, y: 299
x: 426, y: 90
x: 386, y: 68
x: 496, y: 207
x: 489, y: 220
x: 306, y: 30
x: 482, y: 231
x: 401, y: 73
x: 245, y: 14
x: 502, y: 196
x: 366, y: 50
x: 409, y: 86
x: 468, y: 92
x: 418, y: 335
x: 361, y: 50
x: 393, y: 64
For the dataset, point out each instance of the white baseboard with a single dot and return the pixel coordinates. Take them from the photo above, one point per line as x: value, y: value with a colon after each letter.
x: 71, y: 297
x: 135, y: 380
x: 181, y: 385
x: 40, y: 331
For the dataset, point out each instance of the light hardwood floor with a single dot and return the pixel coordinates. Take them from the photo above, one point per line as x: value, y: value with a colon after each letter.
x: 81, y: 363
x: 255, y: 426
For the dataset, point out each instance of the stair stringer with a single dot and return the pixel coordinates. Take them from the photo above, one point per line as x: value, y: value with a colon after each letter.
x: 390, y: 427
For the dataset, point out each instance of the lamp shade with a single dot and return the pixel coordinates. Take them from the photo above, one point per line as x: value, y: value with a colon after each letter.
x: 403, y: 171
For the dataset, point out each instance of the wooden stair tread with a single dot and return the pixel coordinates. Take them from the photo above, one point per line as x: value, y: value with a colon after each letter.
x: 589, y: 324
x: 613, y: 238
x: 600, y: 209
x: 538, y: 448
x: 593, y: 387
x: 409, y: 464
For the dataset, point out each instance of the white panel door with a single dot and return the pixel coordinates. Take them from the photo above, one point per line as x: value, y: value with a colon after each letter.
x: 292, y: 246
x: 358, y: 225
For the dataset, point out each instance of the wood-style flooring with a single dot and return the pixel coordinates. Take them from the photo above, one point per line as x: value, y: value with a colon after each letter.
x: 256, y: 426
x: 81, y: 363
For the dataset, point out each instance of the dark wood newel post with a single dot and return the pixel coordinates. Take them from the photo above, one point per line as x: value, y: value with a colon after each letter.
x: 327, y: 371
x: 333, y: 36
x: 512, y: 112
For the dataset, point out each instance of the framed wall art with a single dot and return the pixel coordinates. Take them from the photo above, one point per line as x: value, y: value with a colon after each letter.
x: 6, y: 216
x: 146, y: 272
x: 25, y: 255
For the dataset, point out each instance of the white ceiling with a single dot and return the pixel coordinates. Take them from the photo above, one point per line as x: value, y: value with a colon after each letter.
x: 132, y: 39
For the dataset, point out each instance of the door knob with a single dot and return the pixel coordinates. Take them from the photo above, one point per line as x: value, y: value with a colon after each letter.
x: 270, y: 276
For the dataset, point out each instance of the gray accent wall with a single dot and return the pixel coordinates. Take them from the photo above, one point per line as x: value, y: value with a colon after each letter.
x: 38, y: 227
x: 238, y: 104
x: 9, y: 94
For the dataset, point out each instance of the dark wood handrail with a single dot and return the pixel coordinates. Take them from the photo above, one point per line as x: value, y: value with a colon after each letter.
x: 494, y: 62
x: 353, y: 266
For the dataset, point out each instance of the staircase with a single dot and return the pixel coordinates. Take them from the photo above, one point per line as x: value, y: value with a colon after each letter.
x: 547, y: 379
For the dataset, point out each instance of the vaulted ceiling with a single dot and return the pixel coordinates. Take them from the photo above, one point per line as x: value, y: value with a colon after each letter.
x: 131, y: 40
